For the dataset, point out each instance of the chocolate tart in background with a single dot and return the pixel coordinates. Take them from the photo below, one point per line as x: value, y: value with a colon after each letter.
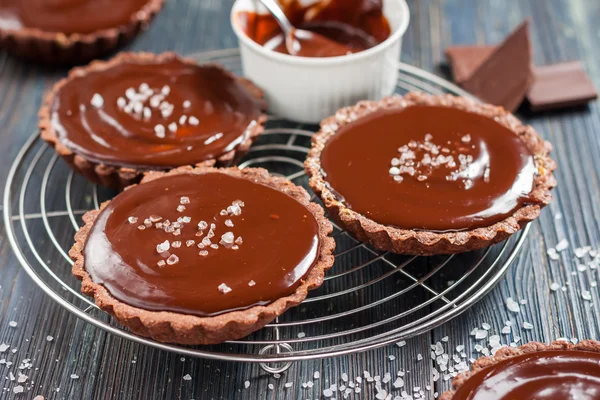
x: 71, y: 32
x: 427, y: 175
x: 534, y: 371
x: 112, y: 121
x: 205, y: 255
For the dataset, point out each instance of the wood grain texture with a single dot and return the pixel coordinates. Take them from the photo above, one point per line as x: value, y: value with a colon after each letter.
x: 112, y: 368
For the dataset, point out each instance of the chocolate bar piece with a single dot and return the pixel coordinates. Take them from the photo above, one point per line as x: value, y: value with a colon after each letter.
x: 464, y: 60
x: 560, y: 86
x: 503, y: 78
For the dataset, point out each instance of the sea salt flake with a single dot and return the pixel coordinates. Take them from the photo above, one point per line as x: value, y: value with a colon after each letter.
x: 97, y: 100
x: 247, y: 384
x: 270, y: 386
x: 184, y: 200
x: 554, y: 286
x: 223, y: 288
x: 132, y: 220
x: 74, y: 376
x: 214, y: 246
x: 316, y: 375
x: 512, y: 305
x: 288, y: 385
x: 49, y: 338
x: 251, y: 283
x: 13, y: 324
x: 229, y: 223
x: 159, y: 131
x: 506, y: 330
x: 172, y: 260
x: 527, y: 325
x: 187, y: 377
x: 161, y: 263
x: 187, y: 104
x: 193, y: 121
x: 562, y: 245
x: 189, y: 243
x: 227, y: 239
x: 165, y: 90
x: 18, y: 389
x: 202, y: 225
x: 163, y: 247
x: 203, y: 253
x: 585, y: 294
x: 4, y: 347
x: 176, y: 244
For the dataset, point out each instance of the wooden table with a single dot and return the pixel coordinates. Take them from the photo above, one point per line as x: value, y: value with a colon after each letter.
x: 561, y: 30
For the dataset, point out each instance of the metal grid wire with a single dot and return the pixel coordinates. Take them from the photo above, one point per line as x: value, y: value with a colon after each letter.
x: 369, y: 298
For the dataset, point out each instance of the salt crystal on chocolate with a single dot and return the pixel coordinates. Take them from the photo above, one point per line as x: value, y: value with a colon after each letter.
x: 181, y: 208
x: 187, y: 104
x: 173, y: 127
x: 227, y: 239
x: 228, y: 223
x: 173, y: 259
x: 203, y: 253
x: 234, y: 209
x: 165, y: 90
x: 223, y: 288
x: 214, y: 246
x: 132, y: 220
x: 176, y: 244
x: 97, y: 100
x: 141, y: 227
x: 160, y: 131
x: 163, y: 247
x: 202, y: 225
x: 182, y: 119
x: 161, y: 263
x: 189, y: 243
x: 251, y: 283
x: 147, y: 113
x: 121, y: 102
x: 193, y: 121
x: 239, y: 240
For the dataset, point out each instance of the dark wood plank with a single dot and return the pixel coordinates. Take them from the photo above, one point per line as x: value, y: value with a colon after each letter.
x: 112, y: 368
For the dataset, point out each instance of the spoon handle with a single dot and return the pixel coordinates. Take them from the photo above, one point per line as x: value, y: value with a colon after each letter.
x: 279, y: 15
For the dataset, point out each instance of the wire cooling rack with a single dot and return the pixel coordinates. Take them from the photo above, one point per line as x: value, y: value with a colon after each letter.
x: 369, y: 298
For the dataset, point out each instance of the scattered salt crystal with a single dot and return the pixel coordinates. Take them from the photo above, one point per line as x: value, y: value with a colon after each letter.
x: 163, y: 247
x: 481, y: 334
x: 270, y: 386
x: 506, y: 330
x: 466, y: 138
x: 401, y: 343
x: 4, y: 347
x: 486, y: 326
x: 173, y: 127
x: 49, y: 338
x: 527, y: 325
x: 288, y: 385
x: 585, y: 294
x: 512, y: 305
x: 316, y: 375
x: 300, y: 334
x: 203, y: 253
x: 554, y: 286
x: 13, y: 324
x: 189, y: 243
x: 132, y: 220
x: 445, y: 339
x: 121, y: 102
x: 187, y: 104
x: 202, y: 225
x: 398, y: 383
x: 247, y: 384
x: 97, y: 100
x: 251, y: 283
x: 160, y: 131
x: 558, y: 216
x: 74, y: 376
x: 161, y: 263
x: 562, y: 245
x: 581, y: 268
x: 184, y: 200
x: 345, y: 377
x: 223, y: 288
x: 214, y: 246
x: 18, y: 389
x: 193, y: 120
x: 176, y: 244
x: 227, y: 239
x: 165, y: 90
x: 419, y: 357
x: 229, y: 223
x: 582, y: 251
x: 182, y: 120
x: 187, y: 377
x: 172, y: 260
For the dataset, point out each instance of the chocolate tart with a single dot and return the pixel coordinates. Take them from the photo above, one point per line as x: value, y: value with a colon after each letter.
x: 427, y: 175
x: 204, y: 255
x: 538, y: 371
x: 112, y: 121
x: 71, y: 32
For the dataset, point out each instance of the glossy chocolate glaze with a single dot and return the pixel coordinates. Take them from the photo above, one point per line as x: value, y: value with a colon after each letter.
x: 279, y: 245
x: 545, y: 375
x: 217, y: 112
x: 341, y: 27
x: 68, y: 16
x: 361, y: 163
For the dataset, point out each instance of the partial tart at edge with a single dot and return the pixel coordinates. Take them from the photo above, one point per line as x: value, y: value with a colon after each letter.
x: 110, y: 170
x: 420, y: 240
x: 59, y: 47
x: 523, y: 359
x: 191, y: 326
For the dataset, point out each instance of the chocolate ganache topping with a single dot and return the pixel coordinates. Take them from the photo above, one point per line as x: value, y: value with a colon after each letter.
x: 429, y: 168
x: 68, y: 16
x: 157, y: 113
x: 340, y: 27
x: 201, y: 244
x: 545, y: 375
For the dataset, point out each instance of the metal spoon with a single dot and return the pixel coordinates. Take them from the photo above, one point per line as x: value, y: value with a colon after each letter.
x: 300, y: 42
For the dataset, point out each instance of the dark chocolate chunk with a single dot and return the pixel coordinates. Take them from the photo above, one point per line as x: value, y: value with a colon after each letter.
x: 464, y: 60
x: 559, y: 86
x: 506, y: 74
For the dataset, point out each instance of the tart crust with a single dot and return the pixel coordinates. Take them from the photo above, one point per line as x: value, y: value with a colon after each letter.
x: 416, y: 242
x: 117, y: 177
x: 59, y: 48
x: 181, y: 328
x: 510, y: 352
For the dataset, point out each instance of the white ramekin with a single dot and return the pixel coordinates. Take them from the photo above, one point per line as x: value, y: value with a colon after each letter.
x: 310, y: 89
